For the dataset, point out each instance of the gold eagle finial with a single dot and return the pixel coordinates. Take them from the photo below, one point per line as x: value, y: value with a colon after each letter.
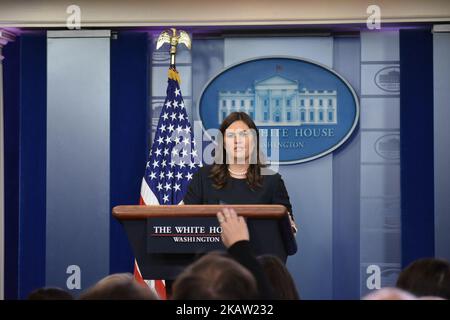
x: 173, y: 38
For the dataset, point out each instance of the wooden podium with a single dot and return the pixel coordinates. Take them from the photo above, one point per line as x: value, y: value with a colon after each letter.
x: 167, y: 238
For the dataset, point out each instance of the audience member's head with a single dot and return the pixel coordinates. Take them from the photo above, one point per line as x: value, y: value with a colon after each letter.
x: 389, y: 294
x: 121, y: 286
x: 215, y: 277
x: 49, y: 294
x: 279, y: 277
x: 430, y: 298
x: 426, y: 277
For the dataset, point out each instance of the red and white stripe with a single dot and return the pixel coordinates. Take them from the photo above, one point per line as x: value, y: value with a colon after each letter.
x: 157, y: 286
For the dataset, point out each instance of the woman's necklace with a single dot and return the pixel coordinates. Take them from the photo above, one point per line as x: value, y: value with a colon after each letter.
x: 242, y: 173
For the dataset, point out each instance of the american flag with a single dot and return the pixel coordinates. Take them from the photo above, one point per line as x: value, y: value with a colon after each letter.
x: 172, y: 161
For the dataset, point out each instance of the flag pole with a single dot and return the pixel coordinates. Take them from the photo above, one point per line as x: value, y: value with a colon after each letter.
x: 148, y: 195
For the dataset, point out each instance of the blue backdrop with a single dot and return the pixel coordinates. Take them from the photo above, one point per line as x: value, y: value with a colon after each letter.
x: 339, y: 238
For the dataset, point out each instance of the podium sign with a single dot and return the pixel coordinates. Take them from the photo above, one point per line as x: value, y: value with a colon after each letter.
x: 166, y: 239
x: 183, y: 235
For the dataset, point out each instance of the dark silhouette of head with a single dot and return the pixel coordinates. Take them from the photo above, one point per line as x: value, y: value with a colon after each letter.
x: 279, y: 277
x: 120, y: 286
x: 49, y: 294
x: 426, y: 277
x: 389, y: 294
x: 215, y: 277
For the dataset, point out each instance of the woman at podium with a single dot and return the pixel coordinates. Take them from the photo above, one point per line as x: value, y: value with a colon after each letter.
x: 238, y: 175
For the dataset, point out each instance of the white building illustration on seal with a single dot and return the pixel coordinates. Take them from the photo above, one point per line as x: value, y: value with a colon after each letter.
x: 277, y: 101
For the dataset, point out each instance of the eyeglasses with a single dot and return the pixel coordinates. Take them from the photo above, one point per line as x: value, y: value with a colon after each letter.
x: 240, y: 134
